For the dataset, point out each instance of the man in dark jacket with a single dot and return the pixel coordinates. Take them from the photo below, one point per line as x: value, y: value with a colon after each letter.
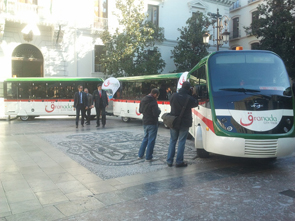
x: 80, y: 104
x: 90, y: 105
x: 177, y: 102
x: 100, y: 98
x: 151, y: 111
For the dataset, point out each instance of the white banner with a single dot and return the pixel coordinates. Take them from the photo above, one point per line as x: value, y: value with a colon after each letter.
x: 182, y: 79
x: 111, y: 85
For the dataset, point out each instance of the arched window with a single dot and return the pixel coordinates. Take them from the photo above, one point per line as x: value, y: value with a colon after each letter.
x: 27, y: 61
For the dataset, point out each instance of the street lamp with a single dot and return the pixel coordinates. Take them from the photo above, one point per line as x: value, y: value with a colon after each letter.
x: 221, y: 37
x: 206, y: 37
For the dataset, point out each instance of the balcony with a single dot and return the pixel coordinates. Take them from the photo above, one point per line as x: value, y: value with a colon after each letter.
x: 235, y: 34
x: 19, y: 12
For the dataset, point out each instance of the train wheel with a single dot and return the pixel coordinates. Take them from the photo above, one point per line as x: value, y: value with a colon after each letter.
x: 24, y: 118
x: 125, y: 119
x: 202, y: 153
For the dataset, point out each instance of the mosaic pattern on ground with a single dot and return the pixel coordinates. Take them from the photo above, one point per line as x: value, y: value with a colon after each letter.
x: 114, y: 153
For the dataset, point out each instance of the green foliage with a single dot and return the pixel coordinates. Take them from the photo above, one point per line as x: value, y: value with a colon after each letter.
x: 131, y: 50
x: 275, y: 28
x: 190, y: 48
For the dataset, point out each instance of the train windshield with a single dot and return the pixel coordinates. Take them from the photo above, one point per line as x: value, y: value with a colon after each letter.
x: 256, y: 72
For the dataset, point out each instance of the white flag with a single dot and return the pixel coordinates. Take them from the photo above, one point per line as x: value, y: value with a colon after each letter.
x: 111, y: 85
x: 182, y: 79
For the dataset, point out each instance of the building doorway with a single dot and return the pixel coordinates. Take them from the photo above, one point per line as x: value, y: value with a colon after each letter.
x: 27, y: 61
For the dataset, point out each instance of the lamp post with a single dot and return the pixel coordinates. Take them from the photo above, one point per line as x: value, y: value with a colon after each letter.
x: 220, y: 37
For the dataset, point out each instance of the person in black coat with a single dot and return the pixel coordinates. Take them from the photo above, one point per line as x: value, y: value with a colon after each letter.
x: 80, y: 104
x: 90, y: 105
x: 177, y: 102
x: 151, y: 111
x: 100, y: 99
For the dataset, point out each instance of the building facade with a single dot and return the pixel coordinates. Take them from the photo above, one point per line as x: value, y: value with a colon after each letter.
x: 61, y: 38
x: 242, y: 13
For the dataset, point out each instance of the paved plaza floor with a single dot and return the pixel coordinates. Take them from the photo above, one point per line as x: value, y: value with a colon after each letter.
x: 49, y: 170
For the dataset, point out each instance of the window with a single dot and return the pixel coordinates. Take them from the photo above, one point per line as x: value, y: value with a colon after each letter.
x: 11, y: 90
x: 61, y: 90
x: 38, y: 90
x: 91, y: 86
x: 200, y: 83
x: 98, y: 50
x: 235, y: 5
x: 101, y: 8
x: 153, y: 14
x: 52, y: 90
x: 255, y: 27
x: 235, y: 27
x: 251, y: 70
x: 24, y: 90
x: 138, y: 89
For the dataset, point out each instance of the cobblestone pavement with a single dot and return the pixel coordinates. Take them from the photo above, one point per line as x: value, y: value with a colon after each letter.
x: 113, y: 153
x: 49, y: 170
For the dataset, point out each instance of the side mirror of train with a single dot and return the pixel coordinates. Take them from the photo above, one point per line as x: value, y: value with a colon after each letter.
x: 287, y: 92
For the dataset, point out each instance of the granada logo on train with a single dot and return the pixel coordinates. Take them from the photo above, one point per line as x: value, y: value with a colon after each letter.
x: 257, y: 120
x: 263, y: 119
x: 53, y: 107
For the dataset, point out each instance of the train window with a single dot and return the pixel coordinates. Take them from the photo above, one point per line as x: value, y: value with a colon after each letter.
x: 11, y: 90
x: 91, y: 86
x: 69, y: 89
x: 202, y: 82
x: 51, y: 90
x: 38, y: 90
x: 137, y: 90
x: 24, y: 90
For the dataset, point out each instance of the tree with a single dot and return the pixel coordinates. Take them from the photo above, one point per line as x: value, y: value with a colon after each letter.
x: 275, y: 27
x: 131, y: 49
x: 190, y: 48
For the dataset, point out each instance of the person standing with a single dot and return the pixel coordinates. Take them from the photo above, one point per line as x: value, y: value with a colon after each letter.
x: 169, y: 93
x: 80, y: 104
x: 90, y: 105
x: 177, y: 102
x: 101, y: 102
x: 151, y: 111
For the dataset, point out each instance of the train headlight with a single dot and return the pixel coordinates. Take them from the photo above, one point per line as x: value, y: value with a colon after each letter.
x: 229, y: 128
x: 286, y: 129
